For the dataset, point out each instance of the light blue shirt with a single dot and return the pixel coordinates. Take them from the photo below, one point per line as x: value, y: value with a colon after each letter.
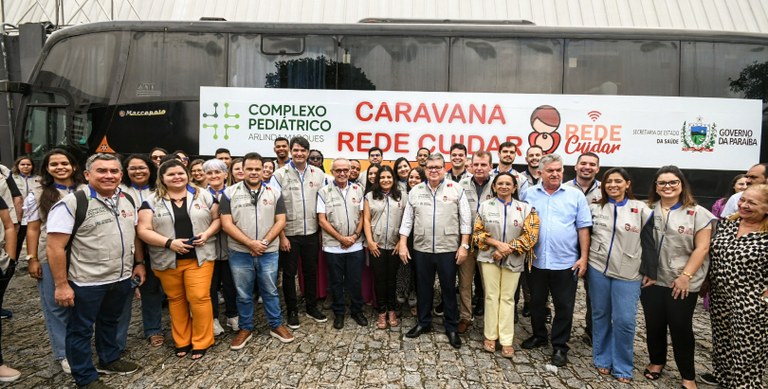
x: 562, y: 213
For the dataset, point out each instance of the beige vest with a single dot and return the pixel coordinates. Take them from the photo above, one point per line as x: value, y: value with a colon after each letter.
x: 614, y: 248
x: 386, y: 216
x: 504, y: 222
x: 342, y: 212
x: 300, y: 197
x: 253, y: 220
x: 5, y: 192
x: 674, y: 238
x: 470, y: 190
x: 199, y: 210
x: 593, y: 194
x: 436, y: 227
x: 103, y: 246
x: 4, y: 256
x: 42, y: 242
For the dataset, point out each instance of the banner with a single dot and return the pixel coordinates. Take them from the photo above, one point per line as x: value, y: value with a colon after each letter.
x: 628, y: 131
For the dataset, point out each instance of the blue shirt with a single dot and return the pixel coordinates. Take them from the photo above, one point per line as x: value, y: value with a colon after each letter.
x: 562, y: 213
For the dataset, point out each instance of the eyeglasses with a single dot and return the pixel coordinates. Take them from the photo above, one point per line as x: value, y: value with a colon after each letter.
x: 183, y: 159
x: 672, y: 184
x: 434, y: 167
x: 344, y: 171
x: 315, y: 158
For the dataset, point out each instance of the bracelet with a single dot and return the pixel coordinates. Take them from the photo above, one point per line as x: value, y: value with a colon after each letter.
x: 689, y: 275
x: 29, y: 258
x: 168, y: 243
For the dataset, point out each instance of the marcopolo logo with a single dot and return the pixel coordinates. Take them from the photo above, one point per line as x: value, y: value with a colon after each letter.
x: 215, y: 120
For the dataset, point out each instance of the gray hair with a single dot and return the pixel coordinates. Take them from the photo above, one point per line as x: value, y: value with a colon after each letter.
x: 214, y: 164
x: 436, y: 157
x: 101, y: 157
x: 549, y: 158
x: 339, y: 159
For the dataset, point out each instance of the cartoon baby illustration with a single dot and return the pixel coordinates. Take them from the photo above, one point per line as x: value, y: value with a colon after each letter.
x: 545, y: 120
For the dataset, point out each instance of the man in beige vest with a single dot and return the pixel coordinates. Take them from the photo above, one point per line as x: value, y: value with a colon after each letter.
x: 96, y: 279
x: 438, y: 213
x: 339, y: 212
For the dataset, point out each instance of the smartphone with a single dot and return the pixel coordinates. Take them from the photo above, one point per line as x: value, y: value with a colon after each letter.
x: 576, y: 274
x: 191, y: 241
x: 135, y: 281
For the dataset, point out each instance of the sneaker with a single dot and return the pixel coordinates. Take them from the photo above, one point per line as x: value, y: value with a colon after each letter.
x: 5, y: 314
x: 260, y: 300
x: 242, y: 338
x: 293, y: 320
x: 96, y: 384
x: 401, y: 299
x: 316, y: 315
x: 412, y: 299
x: 8, y: 374
x: 709, y: 379
x: 282, y: 334
x: 119, y: 366
x: 65, y: 366
x: 217, y: 329
x: 234, y: 323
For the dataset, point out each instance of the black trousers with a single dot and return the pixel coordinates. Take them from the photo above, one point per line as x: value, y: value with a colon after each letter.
x: 445, y: 266
x: 562, y: 286
x: 306, y: 247
x: 384, y: 269
x: 5, y: 279
x: 222, y: 278
x: 662, y: 311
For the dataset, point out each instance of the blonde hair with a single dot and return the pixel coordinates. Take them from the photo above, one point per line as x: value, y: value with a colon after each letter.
x: 762, y: 189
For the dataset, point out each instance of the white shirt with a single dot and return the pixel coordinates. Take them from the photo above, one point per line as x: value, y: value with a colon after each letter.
x: 732, y: 206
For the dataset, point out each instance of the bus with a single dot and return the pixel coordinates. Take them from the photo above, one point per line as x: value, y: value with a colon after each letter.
x: 130, y: 86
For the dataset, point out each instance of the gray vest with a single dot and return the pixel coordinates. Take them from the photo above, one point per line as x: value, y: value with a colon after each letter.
x: 343, y: 213
x: 300, y: 197
x: 614, y: 247
x: 4, y: 256
x: 5, y: 193
x: 386, y: 216
x: 504, y: 222
x: 42, y: 242
x: 103, y: 246
x: 674, y: 240
x: 253, y: 220
x: 436, y: 225
x: 470, y: 190
x: 199, y: 210
x: 222, y: 246
x: 593, y: 194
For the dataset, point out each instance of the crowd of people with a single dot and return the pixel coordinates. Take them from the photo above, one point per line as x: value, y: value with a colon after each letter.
x: 183, y: 232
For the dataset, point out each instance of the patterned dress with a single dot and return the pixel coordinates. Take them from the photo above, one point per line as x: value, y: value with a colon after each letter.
x: 739, y: 275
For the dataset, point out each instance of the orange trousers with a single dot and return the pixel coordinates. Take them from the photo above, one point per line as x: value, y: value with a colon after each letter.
x: 188, y: 288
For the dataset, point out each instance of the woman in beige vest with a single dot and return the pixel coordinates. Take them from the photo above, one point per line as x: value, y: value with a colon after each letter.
x: 505, y: 232
x: 180, y: 224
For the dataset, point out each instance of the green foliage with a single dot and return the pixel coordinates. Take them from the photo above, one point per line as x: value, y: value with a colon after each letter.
x: 752, y: 81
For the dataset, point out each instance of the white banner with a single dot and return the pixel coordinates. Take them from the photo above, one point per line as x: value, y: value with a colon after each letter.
x: 629, y: 131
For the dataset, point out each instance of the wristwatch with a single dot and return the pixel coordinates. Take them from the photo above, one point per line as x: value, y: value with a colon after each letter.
x: 465, y: 246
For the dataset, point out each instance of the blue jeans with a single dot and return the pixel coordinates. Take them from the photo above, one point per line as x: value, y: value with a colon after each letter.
x: 346, y: 270
x: 152, y: 297
x: 56, y: 316
x: 614, y: 308
x: 101, y: 305
x: 245, y: 268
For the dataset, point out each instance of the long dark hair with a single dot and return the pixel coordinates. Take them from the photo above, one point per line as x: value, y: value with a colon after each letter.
x: 422, y: 175
x: 625, y: 175
x: 50, y: 195
x: 514, y: 181
x: 152, y: 170
x: 369, y: 185
x: 686, y: 197
x: 378, y: 193
x: 396, y: 167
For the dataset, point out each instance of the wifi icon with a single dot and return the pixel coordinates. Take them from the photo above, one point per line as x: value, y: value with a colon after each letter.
x: 594, y: 115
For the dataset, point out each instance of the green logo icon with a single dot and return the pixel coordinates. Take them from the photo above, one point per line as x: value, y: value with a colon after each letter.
x: 216, y: 121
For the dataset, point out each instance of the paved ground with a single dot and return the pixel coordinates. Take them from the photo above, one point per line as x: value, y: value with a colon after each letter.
x: 322, y: 357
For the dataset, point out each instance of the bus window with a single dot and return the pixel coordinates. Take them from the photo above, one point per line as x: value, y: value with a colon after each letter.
x: 45, y: 129
x: 84, y: 66
x: 601, y: 67
x: 312, y: 67
x: 708, y: 68
x: 507, y: 65
x: 172, y: 66
x: 394, y: 63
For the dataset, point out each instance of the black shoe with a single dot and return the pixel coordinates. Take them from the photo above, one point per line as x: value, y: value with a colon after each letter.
x: 559, y: 357
x: 316, y: 315
x: 453, y: 339
x: 586, y: 339
x: 534, y: 342
x: 338, y: 322
x: 548, y: 316
x: 526, y: 310
x: 293, y: 320
x: 360, y: 319
x: 709, y: 379
x: 418, y: 330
